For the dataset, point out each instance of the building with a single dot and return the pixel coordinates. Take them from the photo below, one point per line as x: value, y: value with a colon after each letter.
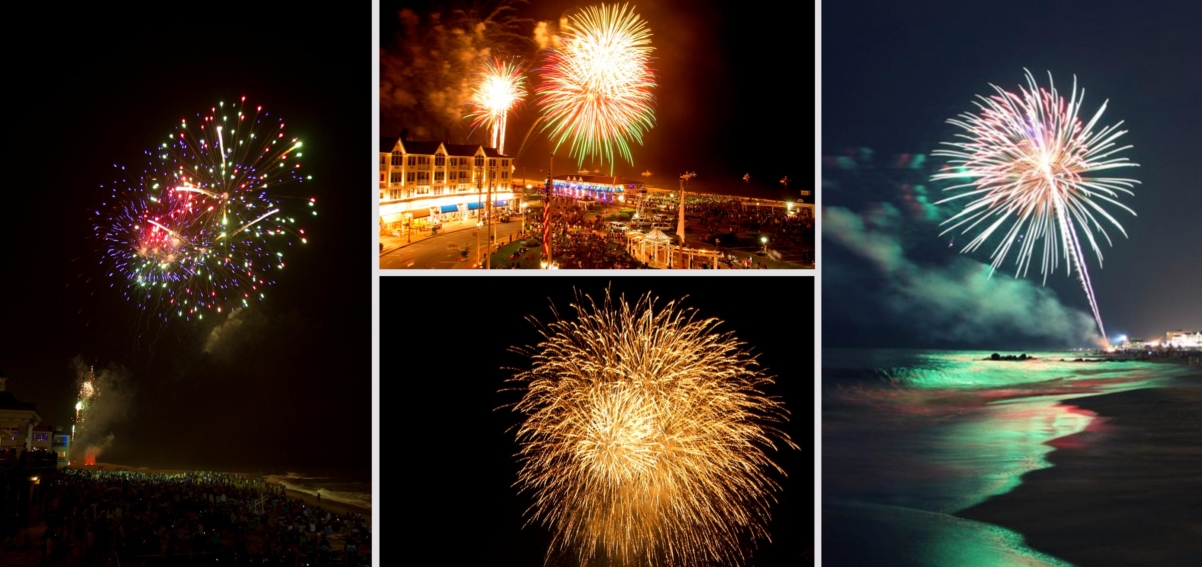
x: 1183, y: 339
x: 17, y: 421
x: 423, y: 184
x: 603, y: 188
x: 61, y: 445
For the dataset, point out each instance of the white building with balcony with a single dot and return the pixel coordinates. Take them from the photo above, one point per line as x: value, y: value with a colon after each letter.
x: 425, y: 183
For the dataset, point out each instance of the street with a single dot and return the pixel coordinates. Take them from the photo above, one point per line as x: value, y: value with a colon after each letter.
x: 443, y: 251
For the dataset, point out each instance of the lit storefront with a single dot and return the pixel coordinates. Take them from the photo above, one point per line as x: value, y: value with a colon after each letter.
x: 601, y: 188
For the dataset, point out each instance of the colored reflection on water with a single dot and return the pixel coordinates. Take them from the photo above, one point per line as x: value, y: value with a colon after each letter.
x: 911, y: 437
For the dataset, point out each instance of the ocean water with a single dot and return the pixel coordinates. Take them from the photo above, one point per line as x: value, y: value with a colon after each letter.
x: 911, y: 437
x: 347, y: 487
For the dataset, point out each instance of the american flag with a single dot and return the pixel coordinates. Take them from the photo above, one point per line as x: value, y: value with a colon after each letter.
x: 547, y: 225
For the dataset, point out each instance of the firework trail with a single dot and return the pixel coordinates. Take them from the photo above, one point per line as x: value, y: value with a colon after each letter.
x: 498, y: 89
x: 646, y: 436
x: 596, y: 87
x: 1030, y: 161
x: 203, y: 226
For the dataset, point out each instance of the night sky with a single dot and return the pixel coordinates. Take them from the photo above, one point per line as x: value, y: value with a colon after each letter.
x: 98, y: 86
x: 732, y: 95
x: 442, y: 369
x: 893, y: 73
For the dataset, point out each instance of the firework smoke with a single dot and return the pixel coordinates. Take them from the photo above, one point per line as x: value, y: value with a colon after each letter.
x: 426, y: 75
x: 104, y: 399
x: 646, y: 436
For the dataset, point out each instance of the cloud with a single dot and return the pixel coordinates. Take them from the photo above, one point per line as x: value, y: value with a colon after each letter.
x: 956, y: 302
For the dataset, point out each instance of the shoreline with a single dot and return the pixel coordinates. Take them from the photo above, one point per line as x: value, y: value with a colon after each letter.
x: 331, y: 506
x: 1121, y: 492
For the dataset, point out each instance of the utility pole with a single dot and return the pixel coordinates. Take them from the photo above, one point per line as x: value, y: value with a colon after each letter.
x: 479, y: 211
x: 488, y: 223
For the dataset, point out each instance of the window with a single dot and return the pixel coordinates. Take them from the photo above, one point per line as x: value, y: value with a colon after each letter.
x: 440, y: 160
x: 463, y: 175
x: 411, y: 177
x: 504, y: 162
x: 381, y: 178
x: 412, y: 160
x: 396, y: 176
x: 492, y: 163
x: 439, y: 176
x: 504, y: 175
x: 396, y: 158
x: 41, y: 436
x: 423, y: 177
x: 394, y: 194
x: 62, y: 454
x: 383, y: 160
x: 479, y: 161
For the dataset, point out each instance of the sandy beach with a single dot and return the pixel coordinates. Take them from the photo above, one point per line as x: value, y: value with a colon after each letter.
x: 332, y: 506
x: 1125, y: 491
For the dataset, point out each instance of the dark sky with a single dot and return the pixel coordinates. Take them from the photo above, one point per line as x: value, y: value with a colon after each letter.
x: 440, y: 397
x: 732, y: 94
x: 97, y: 87
x: 892, y: 73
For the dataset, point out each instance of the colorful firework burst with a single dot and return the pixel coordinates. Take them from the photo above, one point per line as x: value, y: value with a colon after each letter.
x: 499, y: 87
x: 1031, y: 163
x: 646, y: 436
x: 203, y: 226
x: 596, y: 87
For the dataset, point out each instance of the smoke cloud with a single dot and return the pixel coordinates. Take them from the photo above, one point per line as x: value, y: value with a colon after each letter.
x: 105, y: 398
x: 890, y: 273
x: 425, y: 74
x: 228, y: 332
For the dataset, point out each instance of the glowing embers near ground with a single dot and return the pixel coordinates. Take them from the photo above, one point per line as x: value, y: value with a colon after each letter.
x: 596, y: 86
x: 202, y: 228
x: 646, y: 436
x: 1028, y: 159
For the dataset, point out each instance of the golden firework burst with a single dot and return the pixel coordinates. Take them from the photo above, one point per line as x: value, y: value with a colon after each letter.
x: 646, y: 436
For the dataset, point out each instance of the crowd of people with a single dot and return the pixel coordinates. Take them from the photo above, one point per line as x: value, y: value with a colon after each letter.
x: 578, y: 243
x: 196, y: 518
x: 38, y: 457
x: 720, y: 214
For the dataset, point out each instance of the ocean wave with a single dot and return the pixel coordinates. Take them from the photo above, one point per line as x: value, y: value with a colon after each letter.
x: 352, y: 493
x: 299, y: 476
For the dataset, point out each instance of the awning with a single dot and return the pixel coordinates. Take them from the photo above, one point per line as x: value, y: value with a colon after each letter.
x: 473, y: 206
x: 450, y: 208
x: 503, y: 203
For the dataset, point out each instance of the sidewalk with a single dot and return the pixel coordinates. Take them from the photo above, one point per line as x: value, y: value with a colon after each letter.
x: 393, y: 243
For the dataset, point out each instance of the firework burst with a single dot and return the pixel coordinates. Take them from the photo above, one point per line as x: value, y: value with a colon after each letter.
x: 1031, y: 164
x: 499, y: 88
x: 646, y: 436
x: 203, y: 226
x: 596, y: 87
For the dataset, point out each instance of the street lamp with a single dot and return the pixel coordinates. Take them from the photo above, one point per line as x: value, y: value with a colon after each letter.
x: 764, y: 241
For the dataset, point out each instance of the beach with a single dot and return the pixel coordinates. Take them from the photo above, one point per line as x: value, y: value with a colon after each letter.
x: 331, y: 506
x: 923, y: 451
x: 1127, y: 490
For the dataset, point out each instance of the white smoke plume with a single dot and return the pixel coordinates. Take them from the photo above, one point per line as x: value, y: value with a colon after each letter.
x: 105, y: 398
